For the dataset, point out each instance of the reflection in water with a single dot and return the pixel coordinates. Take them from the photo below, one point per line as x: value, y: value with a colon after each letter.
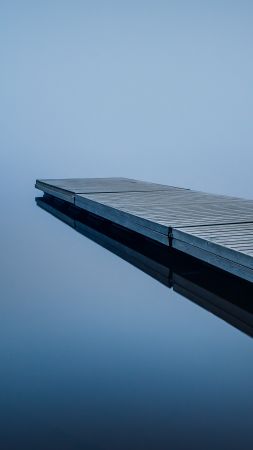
x: 229, y: 297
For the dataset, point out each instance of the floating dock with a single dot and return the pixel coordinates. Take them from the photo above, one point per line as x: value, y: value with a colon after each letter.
x: 216, y: 229
x: 224, y: 295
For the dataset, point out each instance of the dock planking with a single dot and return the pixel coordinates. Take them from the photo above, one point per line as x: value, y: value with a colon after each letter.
x: 66, y: 189
x: 224, y: 295
x: 217, y: 229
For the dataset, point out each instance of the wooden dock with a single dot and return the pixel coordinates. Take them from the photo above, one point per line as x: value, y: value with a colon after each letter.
x: 222, y: 294
x: 216, y: 229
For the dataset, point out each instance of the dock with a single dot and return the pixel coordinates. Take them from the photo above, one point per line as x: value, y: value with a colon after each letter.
x: 224, y: 295
x: 216, y: 229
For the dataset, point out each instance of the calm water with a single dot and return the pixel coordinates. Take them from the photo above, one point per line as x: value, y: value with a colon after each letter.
x: 96, y: 354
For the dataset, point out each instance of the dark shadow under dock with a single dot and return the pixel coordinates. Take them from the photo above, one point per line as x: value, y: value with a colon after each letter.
x: 227, y: 296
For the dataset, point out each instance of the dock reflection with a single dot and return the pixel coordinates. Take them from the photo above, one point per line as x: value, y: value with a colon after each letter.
x: 228, y: 297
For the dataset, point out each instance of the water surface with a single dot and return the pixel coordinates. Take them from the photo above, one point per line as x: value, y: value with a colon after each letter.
x: 97, y: 354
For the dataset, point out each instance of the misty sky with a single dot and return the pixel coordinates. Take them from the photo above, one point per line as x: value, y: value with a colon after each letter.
x: 157, y: 90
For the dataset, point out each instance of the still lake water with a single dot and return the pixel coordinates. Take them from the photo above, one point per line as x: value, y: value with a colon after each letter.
x: 96, y: 354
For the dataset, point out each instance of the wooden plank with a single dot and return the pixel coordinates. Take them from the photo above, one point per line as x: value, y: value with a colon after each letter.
x: 231, y: 264
x: 66, y: 189
x: 217, y: 292
x: 236, y: 249
x: 215, y: 228
x: 165, y: 209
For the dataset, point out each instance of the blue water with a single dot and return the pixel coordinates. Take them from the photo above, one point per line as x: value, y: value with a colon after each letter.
x: 95, y: 354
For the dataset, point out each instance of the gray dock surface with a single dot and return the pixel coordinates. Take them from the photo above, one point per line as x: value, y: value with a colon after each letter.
x: 216, y: 229
x: 226, y: 296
